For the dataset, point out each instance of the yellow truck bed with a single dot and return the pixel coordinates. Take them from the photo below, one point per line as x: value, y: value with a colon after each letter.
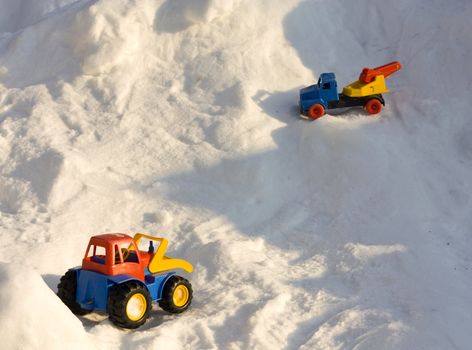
x: 360, y: 89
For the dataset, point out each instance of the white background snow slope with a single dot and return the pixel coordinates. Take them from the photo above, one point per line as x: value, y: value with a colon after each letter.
x: 178, y: 118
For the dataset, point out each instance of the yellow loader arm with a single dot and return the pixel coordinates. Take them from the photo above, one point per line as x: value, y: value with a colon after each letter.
x: 160, y: 262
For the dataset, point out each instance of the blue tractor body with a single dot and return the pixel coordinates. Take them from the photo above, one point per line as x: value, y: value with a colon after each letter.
x: 93, y: 287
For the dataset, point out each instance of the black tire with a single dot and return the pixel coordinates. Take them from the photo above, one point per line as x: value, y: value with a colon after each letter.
x: 66, y: 291
x: 119, y: 298
x: 176, y: 284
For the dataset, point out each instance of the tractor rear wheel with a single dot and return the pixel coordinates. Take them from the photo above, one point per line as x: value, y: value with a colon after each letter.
x: 316, y: 111
x: 129, y: 304
x: 66, y: 291
x: 373, y: 106
x: 177, y: 295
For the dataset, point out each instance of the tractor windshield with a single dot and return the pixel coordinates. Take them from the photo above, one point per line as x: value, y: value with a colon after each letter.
x: 128, y: 253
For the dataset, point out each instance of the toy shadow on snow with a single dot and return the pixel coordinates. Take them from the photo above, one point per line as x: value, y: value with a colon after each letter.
x: 157, y: 316
x: 294, y: 187
x: 52, y: 281
x: 292, y: 195
x: 250, y: 191
x: 268, y: 193
x: 283, y: 106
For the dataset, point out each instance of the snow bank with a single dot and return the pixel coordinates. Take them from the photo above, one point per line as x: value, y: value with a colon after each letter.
x: 32, y: 317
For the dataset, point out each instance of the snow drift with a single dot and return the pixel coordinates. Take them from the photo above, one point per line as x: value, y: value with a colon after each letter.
x: 31, y: 317
x: 179, y: 118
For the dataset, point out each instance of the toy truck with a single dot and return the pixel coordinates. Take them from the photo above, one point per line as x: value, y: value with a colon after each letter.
x: 365, y: 92
x: 119, y: 279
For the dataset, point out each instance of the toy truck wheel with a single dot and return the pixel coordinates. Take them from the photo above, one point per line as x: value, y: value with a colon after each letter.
x: 373, y: 106
x: 129, y: 305
x: 316, y: 111
x: 177, y: 295
x: 66, y: 291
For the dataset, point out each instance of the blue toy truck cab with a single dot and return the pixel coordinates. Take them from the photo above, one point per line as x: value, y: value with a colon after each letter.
x: 323, y: 93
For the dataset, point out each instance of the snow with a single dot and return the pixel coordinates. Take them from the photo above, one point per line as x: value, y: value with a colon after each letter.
x: 178, y: 118
x: 42, y: 324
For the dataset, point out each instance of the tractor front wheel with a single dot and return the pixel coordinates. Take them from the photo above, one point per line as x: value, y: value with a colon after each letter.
x: 316, y: 111
x: 66, y: 291
x: 129, y: 304
x: 373, y: 106
x: 177, y: 295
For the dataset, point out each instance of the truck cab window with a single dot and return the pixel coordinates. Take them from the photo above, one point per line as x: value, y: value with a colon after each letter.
x: 326, y: 86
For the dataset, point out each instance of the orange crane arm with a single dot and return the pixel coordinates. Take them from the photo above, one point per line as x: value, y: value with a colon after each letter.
x: 368, y: 75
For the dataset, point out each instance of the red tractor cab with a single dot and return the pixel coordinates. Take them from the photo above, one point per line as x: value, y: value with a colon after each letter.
x: 115, y: 254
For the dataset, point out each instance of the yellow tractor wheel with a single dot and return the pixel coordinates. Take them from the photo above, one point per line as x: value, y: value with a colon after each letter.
x: 129, y: 304
x: 177, y: 295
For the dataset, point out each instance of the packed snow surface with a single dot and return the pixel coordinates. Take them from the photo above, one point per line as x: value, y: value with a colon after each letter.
x: 178, y: 118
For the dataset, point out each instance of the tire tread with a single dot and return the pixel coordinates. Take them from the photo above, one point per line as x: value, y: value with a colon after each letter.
x: 166, y: 303
x: 66, y: 291
x: 117, y: 298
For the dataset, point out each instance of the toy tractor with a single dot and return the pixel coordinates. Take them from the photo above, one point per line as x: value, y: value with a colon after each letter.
x: 121, y: 280
x: 365, y: 92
